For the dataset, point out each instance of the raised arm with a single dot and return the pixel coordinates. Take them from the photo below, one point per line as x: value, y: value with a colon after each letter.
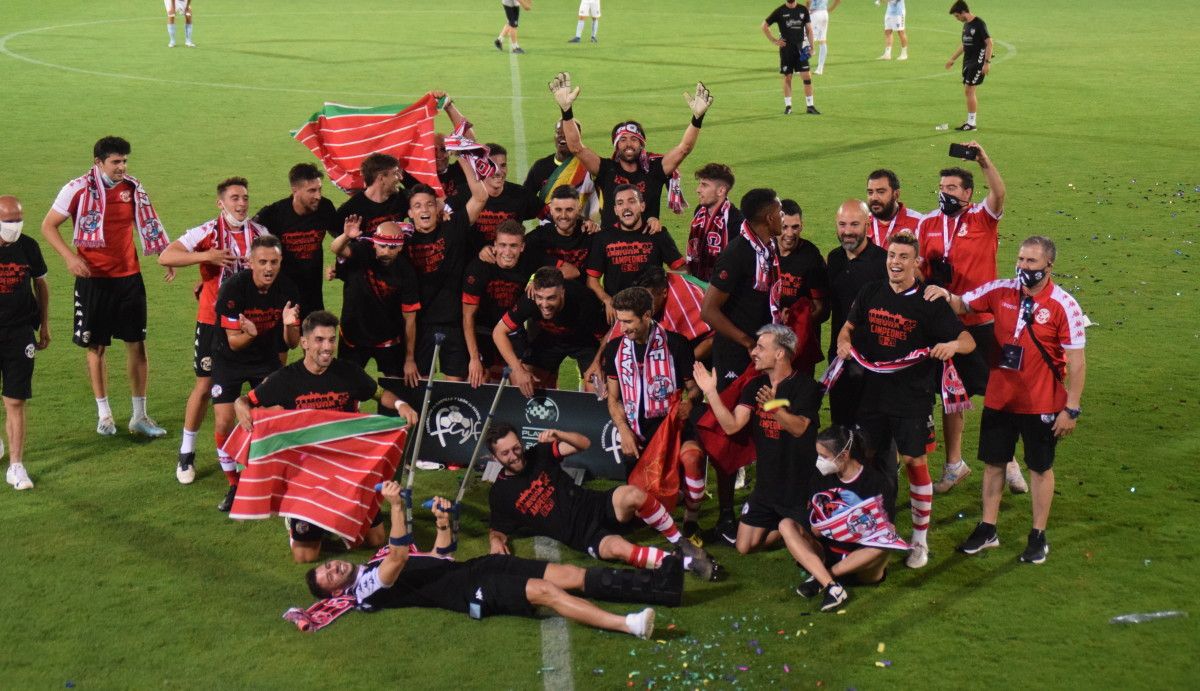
x: 479, y: 195
x: 731, y: 421
x: 996, y: 189
x: 565, y: 95
x: 399, y: 538
x: 699, y: 104
x: 351, y: 230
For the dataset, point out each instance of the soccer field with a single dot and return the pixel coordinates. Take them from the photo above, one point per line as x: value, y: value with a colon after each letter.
x: 116, y: 576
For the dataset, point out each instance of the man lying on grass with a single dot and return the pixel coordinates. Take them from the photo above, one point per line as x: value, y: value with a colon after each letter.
x: 494, y: 584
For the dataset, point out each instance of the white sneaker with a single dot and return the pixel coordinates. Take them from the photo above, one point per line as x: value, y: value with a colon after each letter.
x: 17, y: 477
x: 641, y: 624
x: 885, y: 56
x: 1015, y: 478
x: 171, y: 44
x: 951, y: 475
x: 918, y: 555
x: 105, y: 427
x: 189, y: 44
x: 819, y: 70
x: 185, y: 469
x: 145, y: 426
x: 903, y: 55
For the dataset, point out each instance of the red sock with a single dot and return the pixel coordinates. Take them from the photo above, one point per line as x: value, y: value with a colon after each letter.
x: 655, y: 516
x: 920, y: 497
x: 646, y: 557
x: 692, y: 459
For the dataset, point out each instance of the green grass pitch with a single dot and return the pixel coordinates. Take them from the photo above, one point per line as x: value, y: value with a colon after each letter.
x: 115, y: 576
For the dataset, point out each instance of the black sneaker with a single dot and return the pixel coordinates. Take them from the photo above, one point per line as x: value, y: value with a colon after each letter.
x: 808, y: 588
x: 966, y: 127
x: 835, y: 597
x: 699, y: 563
x: 498, y: 44
x: 983, y: 537
x: 227, y: 503
x: 812, y: 110
x: 185, y: 470
x: 787, y: 110
x: 691, y: 531
x: 727, y: 529
x: 518, y: 51
x: 1036, y: 550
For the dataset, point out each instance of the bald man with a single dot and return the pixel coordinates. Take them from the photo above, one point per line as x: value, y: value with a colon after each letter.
x: 854, y: 263
x: 24, y: 306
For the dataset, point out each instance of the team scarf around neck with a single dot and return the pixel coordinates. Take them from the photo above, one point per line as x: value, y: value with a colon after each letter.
x: 954, y: 393
x: 652, y: 390
x: 766, y: 270
x: 697, y: 245
x: 89, y: 215
x: 476, y: 154
x: 675, y: 201
x: 225, y: 238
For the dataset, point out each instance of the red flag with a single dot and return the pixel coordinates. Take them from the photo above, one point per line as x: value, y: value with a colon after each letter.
x: 342, y: 136
x: 808, y: 350
x: 319, y: 466
x: 727, y: 451
x: 681, y: 312
x: 657, y: 469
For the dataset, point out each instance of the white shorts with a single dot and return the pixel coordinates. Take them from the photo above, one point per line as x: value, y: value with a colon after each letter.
x: 589, y: 8
x: 893, y: 23
x: 180, y: 5
x: 820, y: 24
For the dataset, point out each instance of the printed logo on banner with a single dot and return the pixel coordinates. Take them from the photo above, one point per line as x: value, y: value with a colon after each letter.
x: 454, y: 420
x: 610, y: 441
x: 541, y: 410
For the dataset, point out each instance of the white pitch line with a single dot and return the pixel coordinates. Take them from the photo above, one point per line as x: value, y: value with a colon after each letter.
x: 556, y: 639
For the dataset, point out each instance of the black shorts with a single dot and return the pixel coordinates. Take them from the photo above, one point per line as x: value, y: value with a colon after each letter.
x: 108, y: 308
x: 513, y: 15
x: 972, y: 74
x: 17, y: 352
x: 498, y: 581
x: 729, y: 359
x: 303, y: 531
x: 757, y: 513
x: 909, y: 433
x: 973, y: 367
x: 453, y: 356
x: 998, y: 432
x: 227, y: 382
x: 790, y: 61
x: 389, y: 359
x: 547, y: 354
x: 202, y: 351
x: 594, y: 523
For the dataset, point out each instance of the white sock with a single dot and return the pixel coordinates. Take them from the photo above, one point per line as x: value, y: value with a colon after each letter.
x: 808, y: 101
x: 824, y: 50
x: 227, y: 462
x: 139, y: 407
x: 955, y: 464
x: 579, y: 28
x: 787, y: 101
x: 187, y: 32
x: 971, y: 119
x: 171, y: 32
x: 595, y: 27
x: 636, y: 622
x: 887, y: 53
x: 102, y: 408
x: 189, y: 442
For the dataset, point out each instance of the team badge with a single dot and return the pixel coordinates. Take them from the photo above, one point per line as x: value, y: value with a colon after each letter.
x: 1042, y: 316
x: 125, y: 196
x: 90, y: 221
x: 86, y: 337
x: 206, y: 364
x: 29, y: 351
x: 216, y: 390
x: 1048, y: 418
x: 660, y: 388
x: 962, y: 232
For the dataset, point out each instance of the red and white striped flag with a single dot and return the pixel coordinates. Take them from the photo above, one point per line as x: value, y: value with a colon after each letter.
x: 316, y: 465
x: 342, y: 136
x: 863, y: 523
x: 681, y: 313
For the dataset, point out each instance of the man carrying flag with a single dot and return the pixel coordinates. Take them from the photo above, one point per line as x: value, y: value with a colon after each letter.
x: 547, y: 174
x: 803, y: 284
x: 318, y: 382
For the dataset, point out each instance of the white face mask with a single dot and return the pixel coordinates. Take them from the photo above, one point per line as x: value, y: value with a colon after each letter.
x: 826, y: 466
x: 10, y: 230
x: 233, y: 222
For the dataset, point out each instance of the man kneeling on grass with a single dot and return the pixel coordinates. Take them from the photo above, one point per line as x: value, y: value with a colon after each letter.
x: 494, y: 584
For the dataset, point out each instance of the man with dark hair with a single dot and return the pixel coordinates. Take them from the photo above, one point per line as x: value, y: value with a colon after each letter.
x: 716, y: 219
x: 106, y: 206
x: 795, y: 47
x: 630, y: 163
x: 301, y: 221
x: 259, y: 319
x: 619, y: 255
x: 959, y: 241
x: 506, y: 201
x: 534, y: 496
x: 563, y: 240
x: 802, y: 276
x: 221, y: 248
x: 888, y: 214
x: 319, y: 382
x: 24, y: 308
x: 889, y: 322
x: 490, y: 290
x: 1031, y: 395
x: 561, y: 168
x: 381, y: 201
x: 438, y: 251
x: 491, y: 585
x: 976, y: 51
x: 380, y: 299
x: 852, y: 265
x: 560, y: 319
x: 741, y: 297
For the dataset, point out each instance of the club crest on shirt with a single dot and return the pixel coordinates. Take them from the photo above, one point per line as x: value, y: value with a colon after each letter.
x: 1042, y: 316
x: 962, y: 232
x: 124, y: 196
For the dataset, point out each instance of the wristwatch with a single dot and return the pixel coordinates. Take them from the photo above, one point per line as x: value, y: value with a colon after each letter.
x: 1073, y: 413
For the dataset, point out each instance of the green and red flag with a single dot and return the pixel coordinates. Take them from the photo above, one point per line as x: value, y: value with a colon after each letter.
x: 342, y: 136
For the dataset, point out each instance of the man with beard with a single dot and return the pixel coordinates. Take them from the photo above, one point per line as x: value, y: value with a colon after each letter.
x: 382, y: 200
x: 888, y: 214
x: 854, y: 264
x: 221, y: 247
x: 630, y: 163
x: 547, y: 174
x: 802, y: 276
x: 380, y: 299
x: 784, y: 405
x: 320, y: 382
x: 438, y: 251
x: 506, y: 201
x: 259, y: 320
x: 716, y: 219
x: 561, y: 319
x: 490, y: 290
x: 301, y: 222
x: 621, y: 254
x: 565, y: 239
x: 959, y: 241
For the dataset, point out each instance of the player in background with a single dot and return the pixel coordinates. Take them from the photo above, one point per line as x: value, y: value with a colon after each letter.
x: 820, y: 11
x: 587, y: 8
x: 175, y: 7
x: 976, y: 52
x: 795, y: 25
x: 893, y: 20
x: 512, y: 16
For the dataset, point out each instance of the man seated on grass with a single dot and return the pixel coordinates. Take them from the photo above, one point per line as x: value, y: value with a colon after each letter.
x: 484, y: 586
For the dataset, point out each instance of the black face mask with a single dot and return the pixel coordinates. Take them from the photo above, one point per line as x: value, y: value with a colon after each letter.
x: 948, y: 204
x: 1031, y: 277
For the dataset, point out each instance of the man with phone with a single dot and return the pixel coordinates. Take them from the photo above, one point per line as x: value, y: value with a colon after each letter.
x: 976, y: 51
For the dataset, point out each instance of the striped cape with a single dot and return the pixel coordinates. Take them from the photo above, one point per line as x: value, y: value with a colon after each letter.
x: 316, y: 465
x: 342, y: 136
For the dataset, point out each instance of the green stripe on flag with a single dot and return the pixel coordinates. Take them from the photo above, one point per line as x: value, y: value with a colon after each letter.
x: 323, y: 432
x: 693, y: 280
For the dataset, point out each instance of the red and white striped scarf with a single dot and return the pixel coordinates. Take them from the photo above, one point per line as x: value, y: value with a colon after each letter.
x: 675, y: 200
x: 479, y: 156
x: 224, y: 238
x: 89, y: 214
x: 704, y: 222
x: 766, y: 270
x: 652, y: 390
x: 954, y: 393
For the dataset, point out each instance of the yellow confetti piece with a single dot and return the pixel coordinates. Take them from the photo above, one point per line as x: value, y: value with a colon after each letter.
x: 776, y: 403
x: 879, y: 664
x: 664, y: 642
x: 880, y: 648
x: 841, y: 611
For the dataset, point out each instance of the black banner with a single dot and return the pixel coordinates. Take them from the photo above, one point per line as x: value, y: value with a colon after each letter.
x: 457, y: 412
